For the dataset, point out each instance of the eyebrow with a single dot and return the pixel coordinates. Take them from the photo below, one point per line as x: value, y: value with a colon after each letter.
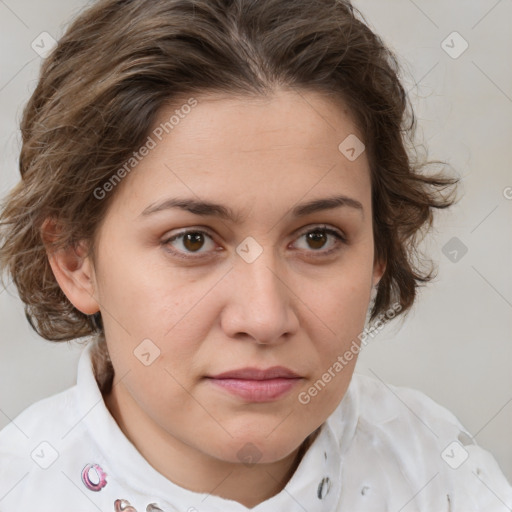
x: 208, y: 208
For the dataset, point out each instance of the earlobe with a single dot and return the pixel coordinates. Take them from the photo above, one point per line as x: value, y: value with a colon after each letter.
x: 73, y: 270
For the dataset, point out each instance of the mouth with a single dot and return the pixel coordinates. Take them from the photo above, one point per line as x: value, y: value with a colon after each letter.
x: 257, y: 385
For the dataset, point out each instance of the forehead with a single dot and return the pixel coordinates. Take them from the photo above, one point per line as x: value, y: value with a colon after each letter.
x: 279, y: 147
x: 289, y: 118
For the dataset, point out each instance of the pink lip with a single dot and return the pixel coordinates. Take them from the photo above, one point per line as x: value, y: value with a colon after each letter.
x: 250, y: 373
x: 257, y: 385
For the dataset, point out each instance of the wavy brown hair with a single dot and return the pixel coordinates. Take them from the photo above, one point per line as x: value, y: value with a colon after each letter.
x: 120, y: 61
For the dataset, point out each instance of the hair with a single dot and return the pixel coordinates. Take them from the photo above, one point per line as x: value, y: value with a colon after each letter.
x: 120, y: 61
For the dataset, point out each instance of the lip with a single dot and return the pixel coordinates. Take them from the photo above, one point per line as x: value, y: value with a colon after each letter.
x: 251, y: 373
x: 257, y: 385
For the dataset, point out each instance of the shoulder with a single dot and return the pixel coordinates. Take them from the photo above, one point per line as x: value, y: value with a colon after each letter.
x: 40, y: 418
x: 407, y: 419
x: 34, y: 448
x: 410, y: 435
x: 379, y: 401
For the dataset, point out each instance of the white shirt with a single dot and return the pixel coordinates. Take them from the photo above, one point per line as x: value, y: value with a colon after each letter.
x: 384, y: 449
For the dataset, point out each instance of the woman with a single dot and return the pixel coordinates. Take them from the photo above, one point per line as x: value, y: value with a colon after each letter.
x: 218, y: 195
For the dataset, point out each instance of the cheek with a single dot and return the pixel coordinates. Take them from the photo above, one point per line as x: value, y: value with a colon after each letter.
x: 155, y: 385
x: 340, y: 306
x: 342, y: 297
x: 153, y: 328
x: 143, y: 295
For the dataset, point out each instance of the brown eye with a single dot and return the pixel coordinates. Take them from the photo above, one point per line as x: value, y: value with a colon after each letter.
x: 193, y: 241
x: 318, y: 238
x: 190, y: 242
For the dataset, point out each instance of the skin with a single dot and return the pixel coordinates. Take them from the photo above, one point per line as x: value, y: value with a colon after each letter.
x: 291, y: 306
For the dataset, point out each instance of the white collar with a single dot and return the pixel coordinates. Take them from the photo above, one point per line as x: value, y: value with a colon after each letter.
x: 315, y: 485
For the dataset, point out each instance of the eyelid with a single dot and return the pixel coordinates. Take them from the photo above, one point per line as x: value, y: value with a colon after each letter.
x: 329, y: 230
x: 341, y: 240
x: 202, y: 230
x: 322, y: 227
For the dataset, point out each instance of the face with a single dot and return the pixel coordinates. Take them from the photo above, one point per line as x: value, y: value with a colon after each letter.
x: 188, y: 291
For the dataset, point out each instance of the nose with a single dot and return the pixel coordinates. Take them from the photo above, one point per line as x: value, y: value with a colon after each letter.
x: 261, y: 305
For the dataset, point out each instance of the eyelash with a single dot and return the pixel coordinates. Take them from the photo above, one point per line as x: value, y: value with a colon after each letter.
x: 321, y: 229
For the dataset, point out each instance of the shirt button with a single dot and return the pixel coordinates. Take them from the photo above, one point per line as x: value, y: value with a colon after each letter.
x: 123, y: 506
x: 93, y: 477
x: 323, y: 487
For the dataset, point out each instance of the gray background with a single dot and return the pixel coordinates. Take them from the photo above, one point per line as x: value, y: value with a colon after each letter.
x: 456, y: 345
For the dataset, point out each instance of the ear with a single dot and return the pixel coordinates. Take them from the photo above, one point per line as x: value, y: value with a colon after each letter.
x: 379, y: 267
x: 72, y: 269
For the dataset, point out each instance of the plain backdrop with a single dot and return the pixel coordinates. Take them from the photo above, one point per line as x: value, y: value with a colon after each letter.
x: 456, y: 345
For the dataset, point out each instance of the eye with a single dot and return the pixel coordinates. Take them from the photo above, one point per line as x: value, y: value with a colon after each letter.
x: 190, y: 242
x: 318, y: 237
